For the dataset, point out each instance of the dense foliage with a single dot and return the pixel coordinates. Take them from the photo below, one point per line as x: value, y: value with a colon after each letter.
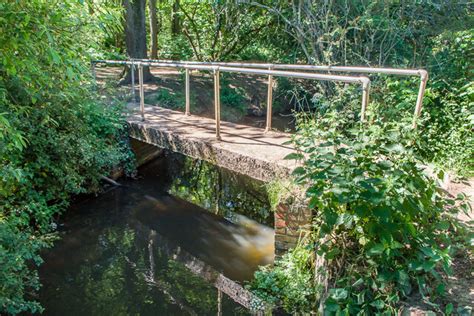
x: 384, y: 228
x: 289, y: 284
x: 447, y: 138
x: 380, y: 222
x: 210, y: 30
x: 55, y: 138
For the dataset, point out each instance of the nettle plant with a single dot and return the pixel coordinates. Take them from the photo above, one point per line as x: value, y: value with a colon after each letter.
x: 383, y: 226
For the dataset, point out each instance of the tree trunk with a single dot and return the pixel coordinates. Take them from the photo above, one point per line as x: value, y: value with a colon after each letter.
x: 175, y: 23
x: 135, y: 36
x: 153, y: 29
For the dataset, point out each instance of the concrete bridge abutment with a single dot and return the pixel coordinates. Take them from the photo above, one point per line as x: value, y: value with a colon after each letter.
x: 242, y: 149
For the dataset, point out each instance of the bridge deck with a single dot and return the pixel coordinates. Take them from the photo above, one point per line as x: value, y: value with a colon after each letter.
x: 244, y: 149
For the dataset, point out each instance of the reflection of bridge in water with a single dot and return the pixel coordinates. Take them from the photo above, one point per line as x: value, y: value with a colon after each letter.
x: 223, y: 284
x: 223, y: 253
x: 140, y: 248
x: 223, y: 250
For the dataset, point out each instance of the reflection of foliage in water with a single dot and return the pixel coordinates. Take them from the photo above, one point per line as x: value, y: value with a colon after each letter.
x: 110, y: 262
x: 116, y: 277
x: 188, y: 285
x: 218, y: 189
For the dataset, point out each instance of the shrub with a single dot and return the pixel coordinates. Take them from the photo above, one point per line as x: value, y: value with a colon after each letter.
x: 55, y: 138
x: 288, y: 284
x: 233, y: 97
x: 167, y: 99
x: 382, y: 225
x: 447, y: 122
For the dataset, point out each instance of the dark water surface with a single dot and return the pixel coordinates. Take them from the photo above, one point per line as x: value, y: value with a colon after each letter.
x: 153, y: 246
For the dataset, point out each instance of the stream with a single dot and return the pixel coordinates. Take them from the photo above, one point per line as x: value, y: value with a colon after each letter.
x: 171, y: 242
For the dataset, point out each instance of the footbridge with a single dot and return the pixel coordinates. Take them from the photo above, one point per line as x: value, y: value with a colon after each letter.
x: 256, y: 152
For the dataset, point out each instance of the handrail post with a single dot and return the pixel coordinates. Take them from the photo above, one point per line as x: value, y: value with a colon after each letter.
x: 365, y: 98
x: 142, y: 93
x: 217, y: 102
x: 269, y: 102
x: 187, y: 111
x: 421, y: 93
x: 132, y: 69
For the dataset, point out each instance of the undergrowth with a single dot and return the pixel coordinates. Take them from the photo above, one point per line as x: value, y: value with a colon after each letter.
x: 168, y: 99
x: 382, y: 225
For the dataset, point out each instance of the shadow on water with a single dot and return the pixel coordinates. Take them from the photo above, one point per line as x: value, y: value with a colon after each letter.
x: 148, y: 248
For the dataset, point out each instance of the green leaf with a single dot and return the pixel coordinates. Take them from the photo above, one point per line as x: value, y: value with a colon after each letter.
x: 331, y: 307
x: 345, y: 219
x: 360, y: 298
x: 382, y: 212
x: 339, y: 294
x: 299, y: 171
x: 314, y: 191
x: 357, y: 283
x: 443, y: 225
x: 376, y: 250
x: 55, y: 57
x: 294, y: 156
x: 428, y: 266
x: 333, y: 253
x: 379, y: 304
x: 449, y: 309
x: 314, y: 202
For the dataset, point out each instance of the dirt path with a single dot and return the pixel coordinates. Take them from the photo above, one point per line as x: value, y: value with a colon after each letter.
x: 466, y: 187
